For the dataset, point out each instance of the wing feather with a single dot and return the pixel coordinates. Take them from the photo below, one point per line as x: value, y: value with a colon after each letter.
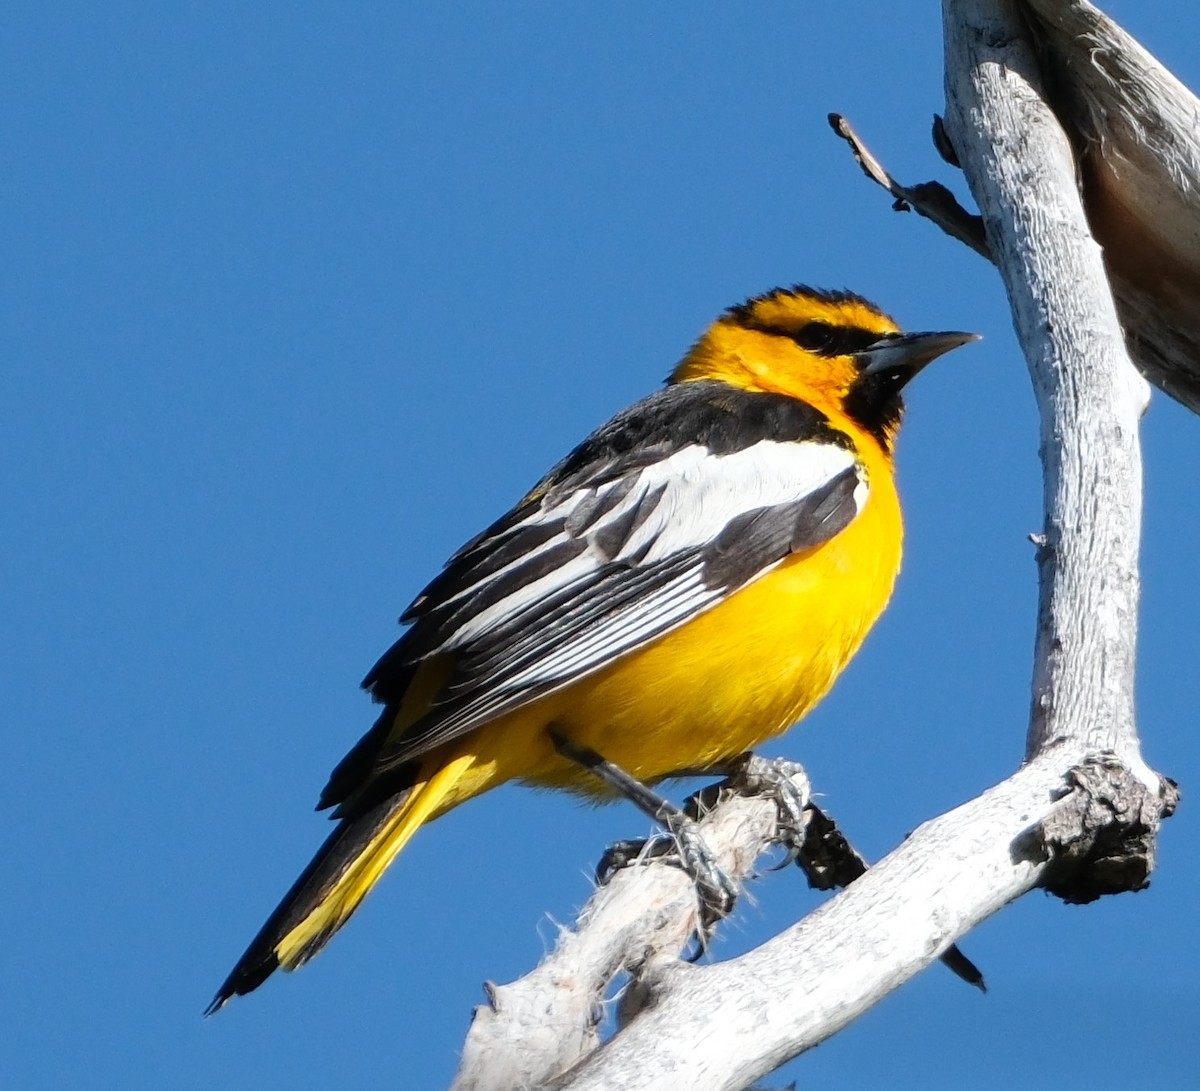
x: 610, y: 567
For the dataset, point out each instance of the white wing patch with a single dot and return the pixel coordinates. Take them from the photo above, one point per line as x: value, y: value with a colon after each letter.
x: 691, y: 497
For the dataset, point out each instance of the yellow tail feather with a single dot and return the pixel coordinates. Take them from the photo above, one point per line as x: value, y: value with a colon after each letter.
x: 358, y: 879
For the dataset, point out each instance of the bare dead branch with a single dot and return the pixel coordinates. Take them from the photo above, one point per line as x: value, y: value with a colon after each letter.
x: 723, y: 1026
x: 929, y: 199
x: 539, y: 1026
x: 1136, y: 131
x: 1020, y: 165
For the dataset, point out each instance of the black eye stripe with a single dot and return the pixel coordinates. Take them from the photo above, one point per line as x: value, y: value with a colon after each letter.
x: 827, y: 340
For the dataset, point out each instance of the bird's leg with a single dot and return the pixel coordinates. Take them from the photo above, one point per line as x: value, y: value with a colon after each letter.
x: 717, y: 891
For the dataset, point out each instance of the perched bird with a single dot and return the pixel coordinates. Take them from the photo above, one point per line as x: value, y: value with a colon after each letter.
x: 685, y: 584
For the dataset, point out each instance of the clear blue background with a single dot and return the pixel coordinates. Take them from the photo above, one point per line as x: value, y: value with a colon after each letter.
x: 295, y: 299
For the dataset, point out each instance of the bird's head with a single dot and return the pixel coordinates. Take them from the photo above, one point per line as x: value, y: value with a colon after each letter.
x: 834, y: 350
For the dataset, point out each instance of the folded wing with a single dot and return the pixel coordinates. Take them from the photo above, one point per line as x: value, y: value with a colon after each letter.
x: 662, y: 514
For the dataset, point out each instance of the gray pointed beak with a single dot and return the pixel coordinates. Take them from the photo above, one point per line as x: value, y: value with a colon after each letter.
x: 902, y: 355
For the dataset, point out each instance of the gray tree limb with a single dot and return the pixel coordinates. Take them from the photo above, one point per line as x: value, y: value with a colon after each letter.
x: 1089, y: 395
x: 1137, y: 132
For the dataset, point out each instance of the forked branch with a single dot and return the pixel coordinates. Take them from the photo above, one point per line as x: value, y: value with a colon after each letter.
x: 1081, y: 815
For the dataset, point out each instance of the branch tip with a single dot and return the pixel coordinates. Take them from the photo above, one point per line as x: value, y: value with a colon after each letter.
x: 929, y: 199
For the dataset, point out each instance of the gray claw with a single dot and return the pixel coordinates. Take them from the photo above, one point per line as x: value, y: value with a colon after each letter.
x: 715, y: 889
x: 775, y: 777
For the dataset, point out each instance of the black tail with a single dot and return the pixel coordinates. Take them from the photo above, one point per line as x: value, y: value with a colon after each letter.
x: 324, y: 897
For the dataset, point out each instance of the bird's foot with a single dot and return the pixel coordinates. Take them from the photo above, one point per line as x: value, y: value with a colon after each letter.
x: 683, y: 845
x: 786, y: 782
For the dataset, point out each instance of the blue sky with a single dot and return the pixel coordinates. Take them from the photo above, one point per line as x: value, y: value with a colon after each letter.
x: 295, y: 301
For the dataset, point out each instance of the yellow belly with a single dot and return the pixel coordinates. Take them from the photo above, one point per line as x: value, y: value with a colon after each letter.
x: 741, y: 673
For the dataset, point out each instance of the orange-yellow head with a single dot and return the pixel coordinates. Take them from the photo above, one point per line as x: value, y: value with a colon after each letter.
x: 834, y: 350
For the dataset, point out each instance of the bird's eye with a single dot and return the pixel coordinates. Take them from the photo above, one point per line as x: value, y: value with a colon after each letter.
x: 815, y: 336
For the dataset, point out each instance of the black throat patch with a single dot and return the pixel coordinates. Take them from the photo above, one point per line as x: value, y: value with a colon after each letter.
x: 874, y: 401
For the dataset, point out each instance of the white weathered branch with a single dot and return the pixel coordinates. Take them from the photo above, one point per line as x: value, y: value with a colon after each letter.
x: 537, y: 1027
x: 1081, y: 815
x: 1021, y: 169
x: 721, y: 1027
x: 1136, y: 132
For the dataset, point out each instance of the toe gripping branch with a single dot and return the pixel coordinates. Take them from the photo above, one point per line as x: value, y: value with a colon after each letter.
x: 810, y: 837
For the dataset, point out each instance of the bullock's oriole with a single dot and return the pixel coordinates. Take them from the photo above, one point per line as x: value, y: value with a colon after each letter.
x: 685, y: 584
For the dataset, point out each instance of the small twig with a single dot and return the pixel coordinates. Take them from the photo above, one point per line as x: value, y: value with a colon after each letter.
x: 929, y: 199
